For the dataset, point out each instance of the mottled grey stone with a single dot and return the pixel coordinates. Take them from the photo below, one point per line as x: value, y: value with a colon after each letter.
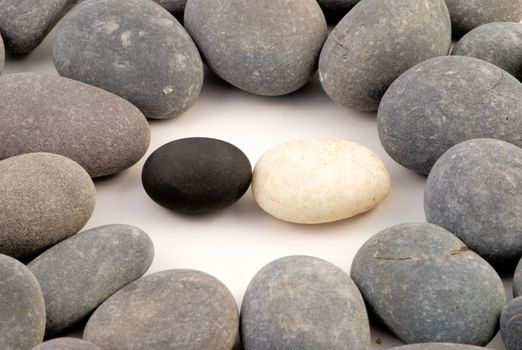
x: 475, y: 191
x: 133, y: 48
x: 262, y: 46
x: 173, y: 309
x: 427, y: 286
x: 43, y: 113
x: 305, y: 303
x: 176, y: 7
x: 517, y: 280
x: 66, y: 344
x: 376, y: 42
x: 437, y: 346
x: 445, y: 101
x: 93, y: 265
x: 511, y: 324
x: 45, y: 199
x: 334, y: 10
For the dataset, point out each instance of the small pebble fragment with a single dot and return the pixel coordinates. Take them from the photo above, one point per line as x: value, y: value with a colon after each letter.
x: 335, y: 10
x: 66, y: 344
x: 511, y: 324
x: 175, y: 7
x: 517, y: 280
x: 437, y: 346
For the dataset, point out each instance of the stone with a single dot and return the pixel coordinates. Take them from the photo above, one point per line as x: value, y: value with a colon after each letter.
x: 375, y: 43
x: 305, y: 303
x: 517, y: 280
x: 175, y: 7
x: 45, y: 199
x: 66, y: 344
x: 22, y: 305
x: 93, y: 265
x: 313, y: 181
x: 264, y: 47
x: 2, y: 55
x: 437, y: 346
x: 427, y: 286
x: 43, y: 113
x: 196, y: 175
x: 475, y: 191
x: 511, y: 324
x: 173, y: 309
x: 335, y: 10
x: 133, y: 48
x: 443, y: 102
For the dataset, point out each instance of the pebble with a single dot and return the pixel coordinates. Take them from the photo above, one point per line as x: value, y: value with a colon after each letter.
x: 517, y: 280
x: 335, y: 10
x: 375, y: 43
x: 66, y: 344
x: 427, y: 286
x: 134, y: 49
x: 267, y: 48
x: 475, y: 191
x: 511, y: 324
x: 173, y: 309
x: 45, y: 199
x: 2, y: 55
x: 175, y: 7
x: 305, y: 303
x: 445, y: 101
x: 437, y: 346
x: 196, y: 175
x: 317, y: 181
x: 93, y: 265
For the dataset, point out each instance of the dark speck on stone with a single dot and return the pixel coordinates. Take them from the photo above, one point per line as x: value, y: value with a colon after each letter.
x: 511, y: 324
x: 66, y: 344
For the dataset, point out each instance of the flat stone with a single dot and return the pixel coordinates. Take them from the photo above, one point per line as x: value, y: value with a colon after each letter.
x: 173, y: 309
x: 375, y: 43
x: 305, y: 303
x: 511, y: 324
x: 517, y: 280
x: 66, y: 344
x: 267, y: 48
x: 427, y: 286
x: 43, y: 113
x: 335, y: 10
x: 175, y: 7
x: 318, y: 181
x: 93, y: 265
x: 437, y: 346
x: 443, y: 102
x: 133, y: 48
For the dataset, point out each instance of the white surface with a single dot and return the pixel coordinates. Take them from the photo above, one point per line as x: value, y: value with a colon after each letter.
x: 235, y: 243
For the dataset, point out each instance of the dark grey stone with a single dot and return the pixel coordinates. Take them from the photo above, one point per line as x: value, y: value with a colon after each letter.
x: 511, y: 324
x: 445, y: 101
x: 376, y: 42
x: 427, y: 286
x: 437, y: 346
x: 517, y: 280
x: 176, y: 7
x: 45, y: 199
x: 66, y: 344
x: 335, y: 10
x: 264, y: 47
x: 174, y: 309
x: 43, y: 113
x: 133, y: 48
x: 475, y: 191
x: 305, y: 303
x: 93, y: 265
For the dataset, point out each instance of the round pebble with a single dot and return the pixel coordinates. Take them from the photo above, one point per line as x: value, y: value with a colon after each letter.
x: 133, y: 48
x: 318, y: 181
x: 375, y: 43
x: 437, y: 346
x: 427, y: 286
x: 66, y: 344
x: 175, y: 7
x: 305, y: 303
x: 185, y: 309
x: 335, y: 10
x: 264, y: 47
x: 517, y: 280
x: 511, y: 324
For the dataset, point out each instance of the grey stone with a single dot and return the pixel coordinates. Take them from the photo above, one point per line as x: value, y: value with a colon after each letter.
x: 427, y: 286
x: 45, y: 199
x: 133, y: 48
x: 517, y: 280
x: 305, y: 303
x: 375, y: 43
x: 66, y: 344
x: 264, y: 47
x: 93, y: 265
x: 475, y: 191
x: 2, y: 54
x: 445, y: 101
x: 176, y: 7
x: 42, y: 113
x: 22, y: 307
x: 173, y: 309
x: 334, y: 10
x: 437, y: 346
x: 511, y: 324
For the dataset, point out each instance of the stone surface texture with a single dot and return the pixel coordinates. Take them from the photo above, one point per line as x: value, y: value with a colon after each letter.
x: 517, y: 280
x: 66, y: 344
x: 511, y: 324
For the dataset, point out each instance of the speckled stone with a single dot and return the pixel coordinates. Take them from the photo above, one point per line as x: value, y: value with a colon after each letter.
x: 66, y: 344
x: 437, y: 346
x: 427, y: 286
x: 22, y: 307
x: 511, y: 324
x: 45, y: 199
x: 334, y: 10
x: 176, y: 7
x: 133, y: 48
x: 445, y: 101
x: 375, y: 43
x: 173, y: 309
x: 93, y: 265
x: 43, y: 113
x: 304, y: 303
x: 265, y: 47
x: 475, y: 191
x: 517, y: 280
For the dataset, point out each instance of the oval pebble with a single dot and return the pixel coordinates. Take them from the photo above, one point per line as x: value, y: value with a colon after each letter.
x: 375, y: 43
x: 45, y: 199
x: 437, y: 346
x: 133, y: 48
x: 264, y: 47
x: 511, y: 324
x: 335, y: 10
x: 517, y: 280
x: 318, y: 181
x: 66, y: 344
x: 427, y: 286
x: 305, y: 303
x: 445, y: 101
x: 175, y: 7
x: 185, y: 309
x: 93, y: 265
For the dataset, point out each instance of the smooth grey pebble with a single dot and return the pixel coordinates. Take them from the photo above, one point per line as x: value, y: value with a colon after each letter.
x: 66, y: 344
x: 511, y: 324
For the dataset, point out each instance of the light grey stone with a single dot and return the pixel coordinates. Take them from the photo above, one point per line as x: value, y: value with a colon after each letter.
x: 437, y: 346
x: 517, y: 280
x: 66, y: 344
x: 511, y: 324
x: 335, y: 10
x: 176, y: 7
